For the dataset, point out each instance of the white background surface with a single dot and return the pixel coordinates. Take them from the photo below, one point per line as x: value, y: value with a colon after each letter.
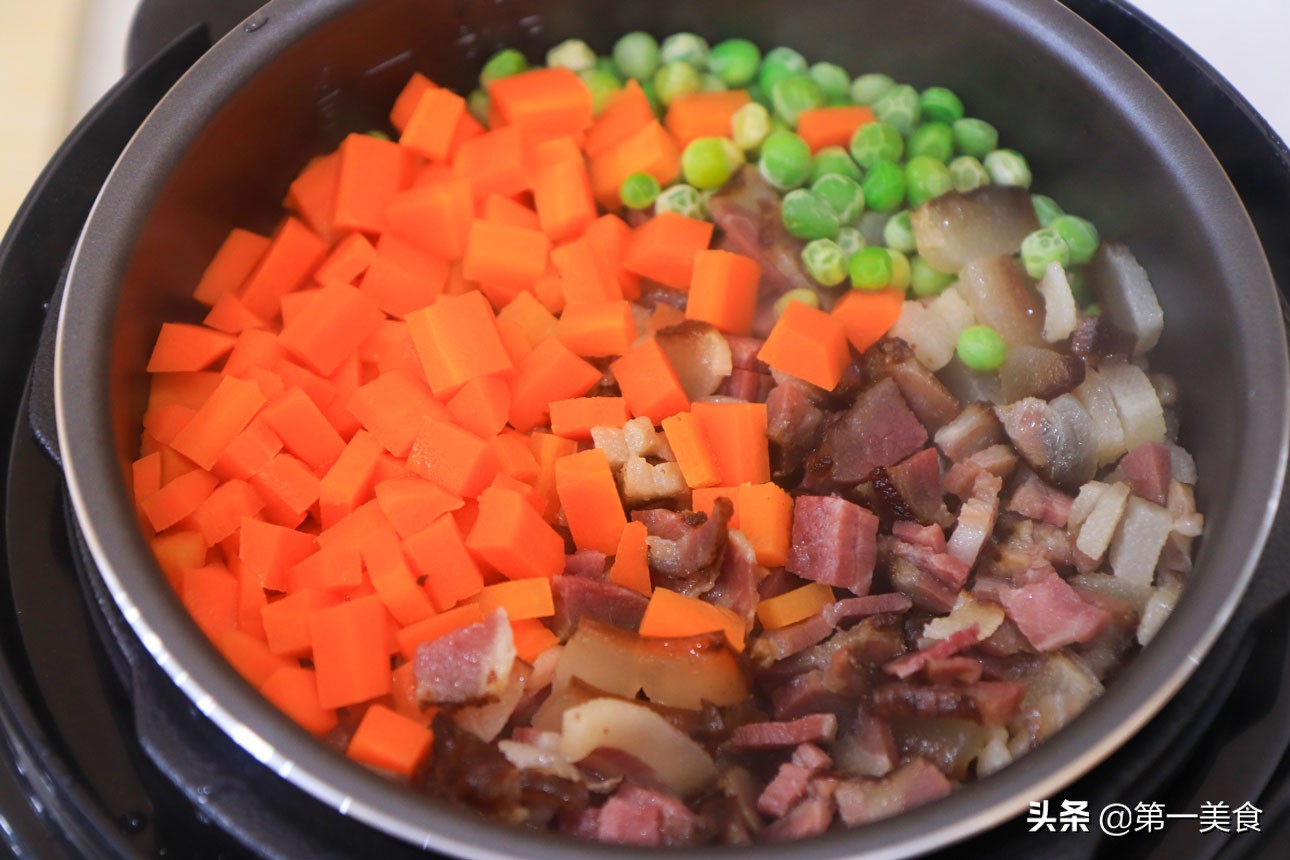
x: 58, y: 56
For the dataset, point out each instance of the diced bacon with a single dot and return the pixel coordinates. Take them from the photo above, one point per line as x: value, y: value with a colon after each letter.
x: 925, y: 589
x: 1149, y: 469
x: 577, y: 597
x: 976, y: 519
x: 747, y: 385
x: 862, y: 801
x: 639, y: 816
x: 736, y: 585
x: 834, y: 542
x: 684, y: 547
x: 811, y: 728
x: 586, y: 563
x: 851, y: 608
x: 932, y: 537
x: 743, y: 352
x: 812, y: 758
x: 467, y: 665
x: 805, y: 694
x: 878, y: 430
x: 945, y: 567
x: 1032, y: 497
x: 868, y: 748
x: 952, y: 670
x: 1051, y: 614
x: 794, y: 425
x: 909, y: 664
x: 975, y: 429
x: 997, y: 460
x: 811, y: 817
x: 912, y: 489
x: 787, y: 787
x: 775, y: 645
x: 991, y: 703
x: 929, y: 399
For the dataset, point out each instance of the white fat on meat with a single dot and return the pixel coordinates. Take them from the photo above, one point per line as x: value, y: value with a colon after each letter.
x: 1060, y: 315
x: 967, y: 611
x: 1097, y: 527
x: 1136, y: 400
x: 1140, y: 536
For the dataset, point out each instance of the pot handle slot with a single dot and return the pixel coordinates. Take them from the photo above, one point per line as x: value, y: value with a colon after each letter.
x: 39, y: 246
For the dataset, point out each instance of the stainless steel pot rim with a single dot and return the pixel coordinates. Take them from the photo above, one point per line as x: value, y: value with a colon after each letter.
x: 110, y: 532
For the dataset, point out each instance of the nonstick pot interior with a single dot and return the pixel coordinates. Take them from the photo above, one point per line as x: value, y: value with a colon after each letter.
x: 289, y: 84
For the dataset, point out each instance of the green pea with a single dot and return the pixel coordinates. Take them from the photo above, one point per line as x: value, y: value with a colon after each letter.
x: 1080, y: 236
x: 799, y: 294
x: 503, y: 64
x: 651, y: 95
x: 757, y: 94
x: 870, y: 269
x: 1007, y: 167
x: 1042, y: 247
x: 637, y: 55
x: 843, y: 194
x: 785, y: 160
x: 1046, y: 209
x: 925, y: 178
x: 749, y: 126
x: 925, y: 281
x: 900, y: 274
x: 967, y: 173
x: 834, y: 160
x: 934, y: 139
x: 807, y: 215
x: 850, y: 240
x: 707, y: 162
x: 675, y: 80
x: 779, y: 63
x: 602, y: 86
x: 735, y: 61
x: 685, y: 48
x: 835, y: 82
x: 793, y: 94
x: 607, y: 64
x: 825, y: 261
x: 682, y: 199
x: 874, y: 142
x: 940, y: 105
x: 639, y: 191
x: 866, y: 88
x: 981, y: 348
x: 975, y: 136
x: 710, y: 83
x: 477, y: 103
x: 1093, y: 310
x: 898, y: 232
x: 573, y: 54
x: 899, y: 107
x: 884, y: 186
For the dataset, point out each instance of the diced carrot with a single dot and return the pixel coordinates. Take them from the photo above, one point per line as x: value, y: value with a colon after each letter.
x: 173, y: 464
x: 347, y: 261
x: 402, y: 277
x: 164, y: 423
x: 549, y: 290
x: 435, y: 626
x: 650, y: 150
x: 468, y: 128
x: 494, y: 162
x: 312, y: 195
x: 250, y: 452
x: 250, y: 656
x: 504, y: 259
x: 671, y: 614
x: 631, y: 560
x: 240, y: 252
x: 366, y: 523
x: 767, y: 521
x: 562, y: 197
x: 293, y: 304
x: 866, y: 317
x: 704, y: 115
x: 575, y: 417
x: 371, y: 172
x: 609, y: 236
x: 189, y: 389
x: 453, y: 457
x: 318, y: 389
x: 291, y: 258
x: 663, y: 248
x: 178, y: 498
x: 513, y: 538
x: 482, y: 405
x: 627, y: 113
x: 251, y: 597
x: 831, y: 126
x: 289, y: 490
x: 532, y: 638
x: 268, y: 550
x: 736, y: 434
x: 222, y: 512
x: 184, y: 347
x: 335, y: 322
x: 403, y: 695
x: 793, y: 606
x: 408, y: 98
x: 547, y: 102
x: 413, y: 503
x: 550, y: 372
x: 723, y: 290
x: 438, y: 553
x: 391, y: 408
x: 515, y: 456
x: 546, y: 151
x: 255, y: 349
x: 521, y: 598
x: 530, y: 317
x: 331, y: 567
x: 303, y: 429
x: 145, y: 476
x: 390, y: 348
x: 434, y: 216
x: 597, y: 329
x: 457, y: 340
x: 350, y: 652
x: 210, y: 596
x: 703, y: 498
x: 390, y: 742
x: 584, y: 278
x: 589, y: 497
x: 528, y: 491
x: 649, y: 383
x: 394, y: 583
x: 219, y: 421
x: 230, y: 316
x: 348, y: 483
x: 431, y: 128
x: 690, y: 446
x: 177, y: 551
x: 294, y: 691
x: 809, y: 344
x: 547, y: 449
x: 507, y: 210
